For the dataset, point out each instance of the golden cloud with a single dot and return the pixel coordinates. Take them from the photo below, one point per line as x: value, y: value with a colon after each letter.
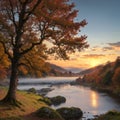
x: 93, y: 55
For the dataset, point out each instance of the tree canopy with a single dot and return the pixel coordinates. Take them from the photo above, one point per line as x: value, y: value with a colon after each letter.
x: 26, y: 25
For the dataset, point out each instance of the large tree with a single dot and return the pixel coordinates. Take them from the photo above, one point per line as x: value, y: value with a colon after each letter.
x: 27, y: 24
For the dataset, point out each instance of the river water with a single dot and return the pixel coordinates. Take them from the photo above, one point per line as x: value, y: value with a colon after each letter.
x: 91, y: 102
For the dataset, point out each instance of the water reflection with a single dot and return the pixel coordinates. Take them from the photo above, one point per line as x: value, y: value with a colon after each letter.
x: 91, y: 102
x: 94, y: 98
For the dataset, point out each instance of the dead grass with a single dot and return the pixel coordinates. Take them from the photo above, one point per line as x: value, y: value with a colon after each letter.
x: 26, y: 111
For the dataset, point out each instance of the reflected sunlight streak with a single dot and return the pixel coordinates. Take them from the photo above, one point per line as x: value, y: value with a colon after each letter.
x: 94, y: 99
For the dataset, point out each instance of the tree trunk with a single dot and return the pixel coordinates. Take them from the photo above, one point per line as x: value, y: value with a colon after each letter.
x: 11, y: 95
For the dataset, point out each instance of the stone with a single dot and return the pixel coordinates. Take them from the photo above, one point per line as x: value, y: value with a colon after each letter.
x: 58, y: 100
x: 48, y: 113
x: 46, y: 100
x: 32, y: 90
x: 71, y: 113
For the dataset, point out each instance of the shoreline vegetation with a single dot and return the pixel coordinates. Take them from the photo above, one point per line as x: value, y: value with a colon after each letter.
x: 110, y: 90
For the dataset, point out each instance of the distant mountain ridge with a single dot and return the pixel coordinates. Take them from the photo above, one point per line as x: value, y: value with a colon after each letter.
x: 87, y: 71
x: 57, y: 68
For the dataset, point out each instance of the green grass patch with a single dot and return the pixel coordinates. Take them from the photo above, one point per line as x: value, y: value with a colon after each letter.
x: 29, y: 104
x: 111, y: 115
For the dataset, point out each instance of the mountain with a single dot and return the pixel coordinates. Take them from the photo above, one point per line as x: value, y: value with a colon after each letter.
x: 74, y: 69
x: 57, y: 68
x: 104, y: 74
x: 87, y: 71
x: 104, y: 77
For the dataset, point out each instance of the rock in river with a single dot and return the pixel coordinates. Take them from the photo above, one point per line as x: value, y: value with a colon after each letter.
x: 48, y: 113
x: 57, y: 100
x: 72, y: 113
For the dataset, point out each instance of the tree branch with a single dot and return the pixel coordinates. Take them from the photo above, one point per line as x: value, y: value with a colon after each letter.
x: 13, y: 16
x: 33, y: 9
x: 31, y: 47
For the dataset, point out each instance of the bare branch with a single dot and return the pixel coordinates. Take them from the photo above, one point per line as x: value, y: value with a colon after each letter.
x: 13, y: 15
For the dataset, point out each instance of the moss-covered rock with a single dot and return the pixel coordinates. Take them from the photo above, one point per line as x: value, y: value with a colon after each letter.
x: 32, y: 90
x: 58, y: 100
x: 72, y: 113
x: 46, y: 100
x: 53, y: 100
x: 111, y: 115
x: 44, y: 91
x: 48, y: 113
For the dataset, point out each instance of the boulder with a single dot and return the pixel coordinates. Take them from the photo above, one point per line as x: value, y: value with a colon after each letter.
x: 32, y: 90
x: 44, y: 91
x: 57, y: 100
x: 48, y: 113
x: 46, y: 100
x: 72, y: 113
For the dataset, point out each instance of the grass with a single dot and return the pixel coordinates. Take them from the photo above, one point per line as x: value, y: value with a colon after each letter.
x: 29, y: 104
x: 111, y: 115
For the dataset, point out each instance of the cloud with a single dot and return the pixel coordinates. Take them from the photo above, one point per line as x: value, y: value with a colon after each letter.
x: 93, y: 55
x: 117, y: 44
x: 96, y: 48
x: 73, y: 59
x: 107, y: 48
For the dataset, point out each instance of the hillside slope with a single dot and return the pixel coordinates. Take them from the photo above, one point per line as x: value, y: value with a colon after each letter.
x: 104, y: 76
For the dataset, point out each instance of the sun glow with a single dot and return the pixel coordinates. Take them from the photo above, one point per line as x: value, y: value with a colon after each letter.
x: 94, y: 62
x: 94, y: 101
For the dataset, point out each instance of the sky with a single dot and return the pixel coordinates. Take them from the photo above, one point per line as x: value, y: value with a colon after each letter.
x: 103, y: 31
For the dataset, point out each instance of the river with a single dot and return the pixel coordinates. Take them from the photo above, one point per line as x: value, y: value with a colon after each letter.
x: 91, y: 102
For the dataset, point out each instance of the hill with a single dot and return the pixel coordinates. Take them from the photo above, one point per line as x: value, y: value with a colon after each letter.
x: 104, y: 76
x: 57, y: 68
x: 87, y: 71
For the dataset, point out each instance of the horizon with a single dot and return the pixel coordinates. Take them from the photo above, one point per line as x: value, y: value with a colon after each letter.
x: 77, y: 70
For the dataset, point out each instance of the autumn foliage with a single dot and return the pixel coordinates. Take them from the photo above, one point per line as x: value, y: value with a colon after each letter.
x: 116, y: 77
x: 27, y: 25
x: 105, y: 75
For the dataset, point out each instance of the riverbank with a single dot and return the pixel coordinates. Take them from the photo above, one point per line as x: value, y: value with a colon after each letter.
x: 29, y: 105
x: 36, y: 107
x: 111, y: 115
x: 103, y: 89
x: 109, y: 89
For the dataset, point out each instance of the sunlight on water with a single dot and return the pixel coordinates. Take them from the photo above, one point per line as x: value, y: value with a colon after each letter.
x: 94, y: 99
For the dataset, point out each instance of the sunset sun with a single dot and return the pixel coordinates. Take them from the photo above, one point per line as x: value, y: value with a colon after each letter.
x: 94, y: 62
